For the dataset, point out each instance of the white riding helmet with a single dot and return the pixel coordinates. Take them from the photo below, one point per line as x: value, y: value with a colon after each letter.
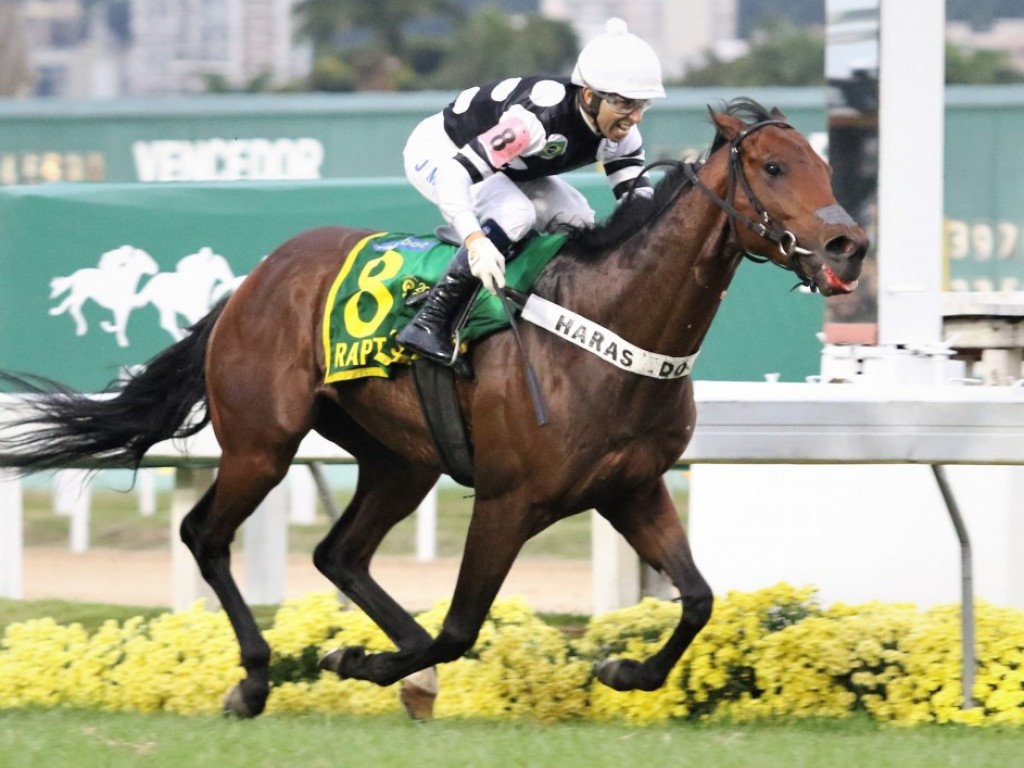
x: 619, y: 62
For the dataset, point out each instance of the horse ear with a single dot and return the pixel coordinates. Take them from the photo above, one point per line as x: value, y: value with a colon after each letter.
x: 728, y: 125
x: 776, y: 114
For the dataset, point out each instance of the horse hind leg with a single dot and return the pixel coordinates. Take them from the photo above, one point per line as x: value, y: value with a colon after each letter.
x: 380, y: 501
x: 649, y: 522
x: 208, y: 530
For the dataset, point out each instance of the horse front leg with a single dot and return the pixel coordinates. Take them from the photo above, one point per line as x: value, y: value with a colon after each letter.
x: 649, y: 522
x: 495, y: 536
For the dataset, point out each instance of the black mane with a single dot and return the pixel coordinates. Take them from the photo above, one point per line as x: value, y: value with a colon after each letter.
x: 634, y: 213
x: 751, y: 111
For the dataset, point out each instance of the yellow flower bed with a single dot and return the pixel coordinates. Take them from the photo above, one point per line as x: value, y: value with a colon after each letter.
x: 774, y: 652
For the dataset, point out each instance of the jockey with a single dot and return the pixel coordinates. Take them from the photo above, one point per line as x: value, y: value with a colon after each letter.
x: 490, y: 159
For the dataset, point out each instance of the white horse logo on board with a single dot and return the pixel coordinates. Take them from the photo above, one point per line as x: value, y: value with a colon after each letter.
x: 198, y: 281
x: 111, y: 284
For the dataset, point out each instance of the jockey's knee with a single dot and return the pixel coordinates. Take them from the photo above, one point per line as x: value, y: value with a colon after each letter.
x: 558, y: 203
x: 516, y: 220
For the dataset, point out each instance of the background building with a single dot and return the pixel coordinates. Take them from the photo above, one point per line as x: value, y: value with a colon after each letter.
x: 680, y: 32
x: 1003, y: 35
x: 81, y: 49
x: 177, y: 47
x: 152, y: 47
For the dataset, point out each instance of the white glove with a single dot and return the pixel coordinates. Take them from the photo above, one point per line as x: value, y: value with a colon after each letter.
x: 487, y: 264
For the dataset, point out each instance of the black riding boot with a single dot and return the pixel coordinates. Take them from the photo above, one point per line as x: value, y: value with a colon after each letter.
x: 429, y: 333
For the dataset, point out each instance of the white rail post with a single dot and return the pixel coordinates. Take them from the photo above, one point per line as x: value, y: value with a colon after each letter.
x: 302, y: 495
x: 615, y: 566
x: 72, y: 498
x: 265, y: 542
x: 11, y: 536
x: 146, y: 489
x: 66, y: 486
x: 911, y: 91
x: 190, y: 483
x: 426, y: 527
x: 81, y: 508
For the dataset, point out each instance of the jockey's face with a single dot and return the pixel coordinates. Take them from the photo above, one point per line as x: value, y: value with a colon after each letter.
x: 612, y: 121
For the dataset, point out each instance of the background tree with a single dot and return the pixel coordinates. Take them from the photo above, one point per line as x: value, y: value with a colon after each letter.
x: 363, y: 44
x: 261, y: 83
x: 754, y: 14
x: 781, y: 53
x: 981, y: 13
x: 786, y: 55
x: 980, y: 67
x: 492, y: 46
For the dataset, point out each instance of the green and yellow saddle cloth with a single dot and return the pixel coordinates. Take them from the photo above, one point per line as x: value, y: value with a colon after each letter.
x: 366, y: 307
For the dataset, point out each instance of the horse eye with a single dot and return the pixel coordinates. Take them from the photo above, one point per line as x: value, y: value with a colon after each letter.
x: 772, y: 169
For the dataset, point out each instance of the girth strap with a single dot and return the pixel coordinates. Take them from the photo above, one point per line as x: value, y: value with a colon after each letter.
x: 435, y: 385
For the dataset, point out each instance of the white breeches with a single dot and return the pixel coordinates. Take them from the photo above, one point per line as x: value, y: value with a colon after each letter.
x: 516, y: 206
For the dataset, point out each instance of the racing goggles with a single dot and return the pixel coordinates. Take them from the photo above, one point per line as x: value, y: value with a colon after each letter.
x: 621, y: 105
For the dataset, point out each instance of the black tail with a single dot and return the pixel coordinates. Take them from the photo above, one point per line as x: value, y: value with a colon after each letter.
x: 64, y: 428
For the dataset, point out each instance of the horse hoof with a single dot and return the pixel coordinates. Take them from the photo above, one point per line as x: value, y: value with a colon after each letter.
x: 627, y: 675
x: 331, y: 661
x: 418, y: 692
x: 235, y: 704
x: 344, y: 662
x: 618, y: 674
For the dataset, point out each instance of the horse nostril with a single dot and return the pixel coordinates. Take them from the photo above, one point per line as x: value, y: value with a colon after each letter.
x: 843, y: 247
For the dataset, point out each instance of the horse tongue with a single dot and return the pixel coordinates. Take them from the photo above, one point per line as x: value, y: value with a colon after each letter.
x: 837, y: 285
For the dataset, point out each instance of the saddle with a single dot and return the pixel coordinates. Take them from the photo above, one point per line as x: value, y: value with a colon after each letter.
x: 376, y: 292
x: 436, y: 387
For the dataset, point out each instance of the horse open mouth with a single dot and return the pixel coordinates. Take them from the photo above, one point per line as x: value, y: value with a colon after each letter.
x: 831, y: 285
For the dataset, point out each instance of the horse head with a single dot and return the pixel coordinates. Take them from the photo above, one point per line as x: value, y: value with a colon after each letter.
x: 782, y: 204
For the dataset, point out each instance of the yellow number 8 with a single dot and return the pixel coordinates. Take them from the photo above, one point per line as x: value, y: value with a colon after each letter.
x: 371, y: 283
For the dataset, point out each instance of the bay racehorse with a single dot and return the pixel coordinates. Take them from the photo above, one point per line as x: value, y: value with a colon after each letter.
x: 654, y: 275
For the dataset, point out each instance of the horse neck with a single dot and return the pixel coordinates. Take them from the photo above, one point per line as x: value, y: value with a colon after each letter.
x: 662, y: 288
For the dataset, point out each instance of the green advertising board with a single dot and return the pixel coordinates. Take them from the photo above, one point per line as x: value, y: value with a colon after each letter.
x: 299, y: 137
x: 287, y: 137
x: 100, y: 277
x: 984, y: 188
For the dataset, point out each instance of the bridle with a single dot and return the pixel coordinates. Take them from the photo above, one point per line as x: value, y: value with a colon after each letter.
x: 766, y: 226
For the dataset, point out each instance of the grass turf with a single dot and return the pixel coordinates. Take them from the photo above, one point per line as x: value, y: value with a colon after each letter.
x: 89, y: 739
